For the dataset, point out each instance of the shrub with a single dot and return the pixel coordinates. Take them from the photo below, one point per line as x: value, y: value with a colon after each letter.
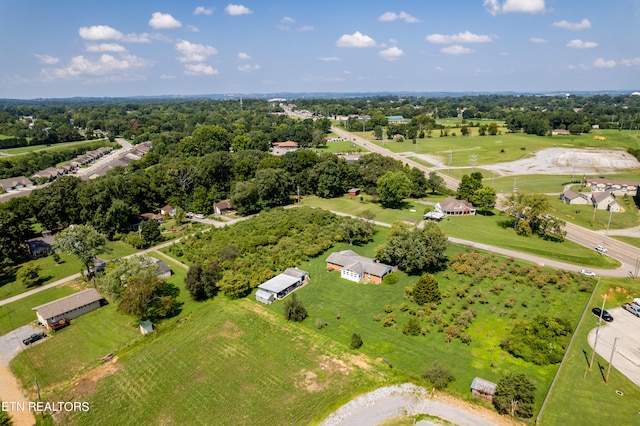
x: 452, y: 332
x: 438, y: 374
x: 356, y: 341
x: 294, y: 310
x: 426, y: 290
x: 388, y: 308
x: 390, y: 279
x: 412, y: 327
x: 515, y: 395
x: 465, y: 338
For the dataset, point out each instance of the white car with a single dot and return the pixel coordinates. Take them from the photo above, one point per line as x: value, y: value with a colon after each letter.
x: 601, y: 249
x: 587, y: 272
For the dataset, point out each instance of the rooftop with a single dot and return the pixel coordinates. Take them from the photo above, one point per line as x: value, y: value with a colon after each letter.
x: 69, y: 303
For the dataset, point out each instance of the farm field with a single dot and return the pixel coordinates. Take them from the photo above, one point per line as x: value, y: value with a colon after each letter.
x: 34, y: 148
x: 505, y: 147
x: 580, y: 396
x: 529, y: 183
x: 482, y: 229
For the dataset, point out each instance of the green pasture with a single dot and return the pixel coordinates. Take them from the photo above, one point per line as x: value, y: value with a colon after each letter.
x: 529, y: 183
x: 19, y: 313
x: 583, y: 215
x: 338, y: 147
x: 581, y: 396
x: 457, y: 173
x: 505, y: 147
x: 36, y: 148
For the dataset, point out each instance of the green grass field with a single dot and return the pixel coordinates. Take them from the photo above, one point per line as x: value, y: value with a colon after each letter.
x: 582, y: 215
x: 581, y: 396
x: 339, y: 146
x: 505, y: 147
x: 35, y: 148
x: 19, y: 313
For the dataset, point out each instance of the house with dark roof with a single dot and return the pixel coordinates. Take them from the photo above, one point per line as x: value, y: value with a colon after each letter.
x: 168, y: 210
x: 453, y: 207
x: 601, y: 200
x: 572, y: 197
x: 49, y: 173
x: 281, y: 285
x: 40, y: 246
x: 354, y: 191
x: 354, y: 267
x: 69, y: 307
x: 222, y: 206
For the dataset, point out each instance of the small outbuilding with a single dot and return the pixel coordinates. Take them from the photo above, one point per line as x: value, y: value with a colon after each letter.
x: 68, y: 308
x: 222, y: 206
x: 168, y: 210
x: 354, y: 191
x: 434, y: 216
x: 146, y: 327
x: 481, y: 388
x: 281, y: 285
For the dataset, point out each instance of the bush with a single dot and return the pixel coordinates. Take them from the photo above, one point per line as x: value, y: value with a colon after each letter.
x: 356, y: 341
x: 294, y: 310
x: 412, y: 327
x: 439, y: 375
x: 515, y: 395
x: 390, y: 279
x: 388, y: 308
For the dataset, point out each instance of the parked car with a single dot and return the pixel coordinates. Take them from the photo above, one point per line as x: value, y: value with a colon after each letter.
x: 199, y: 216
x: 33, y: 338
x: 587, y: 272
x: 637, y: 301
x: 601, y: 249
x: 605, y: 315
x: 634, y: 309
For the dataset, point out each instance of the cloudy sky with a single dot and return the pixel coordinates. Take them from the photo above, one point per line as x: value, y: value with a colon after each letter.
x: 170, y: 47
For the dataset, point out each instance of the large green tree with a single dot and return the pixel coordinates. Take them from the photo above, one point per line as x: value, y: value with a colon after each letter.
x: 484, y: 199
x: 415, y: 250
x: 426, y: 290
x: 202, y: 281
x: 274, y: 186
x: 435, y: 183
x: 515, y: 395
x: 14, y: 230
x: 393, y: 187
x: 82, y: 241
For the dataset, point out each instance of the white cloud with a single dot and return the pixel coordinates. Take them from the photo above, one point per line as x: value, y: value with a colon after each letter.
x: 456, y: 49
x: 201, y: 10
x: 100, y: 32
x: 306, y: 28
x: 105, y: 47
x: 538, y: 40
x: 243, y: 56
x: 392, y: 16
x: 514, y: 6
x: 193, y: 28
x: 193, y: 52
x: 604, y: 63
x: 287, y: 20
x: 106, y: 64
x: 631, y: 62
x: 140, y: 38
x: 167, y: 77
x: 330, y: 59
x: 439, y: 68
x: 163, y: 21
x: 465, y: 37
x: 47, y: 59
x: 237, y: 9
x: 391, y: 54
x: 247, y: 68
x: 579, y: 44
x: 200, y: 69
x: 582, y: 25
x: 356, y: 39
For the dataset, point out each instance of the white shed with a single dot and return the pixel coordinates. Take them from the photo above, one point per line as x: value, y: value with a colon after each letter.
x: 146, y: 327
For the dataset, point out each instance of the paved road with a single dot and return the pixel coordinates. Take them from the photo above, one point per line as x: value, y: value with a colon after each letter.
x: 450, y: 182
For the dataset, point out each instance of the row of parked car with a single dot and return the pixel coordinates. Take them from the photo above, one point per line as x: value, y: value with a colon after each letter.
x: 633, y: 308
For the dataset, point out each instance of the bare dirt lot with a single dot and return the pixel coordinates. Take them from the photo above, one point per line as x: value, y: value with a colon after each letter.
x: 560, y: 161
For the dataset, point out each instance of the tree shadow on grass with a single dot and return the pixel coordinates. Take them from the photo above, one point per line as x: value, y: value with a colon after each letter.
x: 505, y: 223
x: 7, y: 276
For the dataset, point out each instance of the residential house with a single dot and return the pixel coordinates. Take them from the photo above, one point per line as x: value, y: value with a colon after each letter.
x: 354, y: 191
x: 165, y: 270
x: 453, y: 207
x: 354, y: 267
x: 396, y: 119
x: 49, y: 173
x: 572, y: 197
x: 555, y: 132
x: 68, y: 308
x: 168, y: 210
x: 222, y: 206
x: 281, y: 285
x: 40, y: 246
x: 605, y: 201
x: 481, y: 388
x: 15, y: 183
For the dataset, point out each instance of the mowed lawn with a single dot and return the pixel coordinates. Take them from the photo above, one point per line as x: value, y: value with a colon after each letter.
x: 53, y: 147
x: 581, y: 396
x: 583, y: 215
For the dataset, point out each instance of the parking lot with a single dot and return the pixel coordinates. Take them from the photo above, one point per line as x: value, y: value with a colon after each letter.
x: 626, y: 327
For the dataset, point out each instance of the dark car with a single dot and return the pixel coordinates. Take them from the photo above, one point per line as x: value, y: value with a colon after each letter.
x: 34, y: 338
x: 605, y: 315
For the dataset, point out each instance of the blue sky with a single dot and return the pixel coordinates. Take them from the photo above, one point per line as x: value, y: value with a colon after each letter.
x: 169, y: 47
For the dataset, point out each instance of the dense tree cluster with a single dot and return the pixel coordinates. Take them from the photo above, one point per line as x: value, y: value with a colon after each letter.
x: 515, y: 395
x: 529, y: 212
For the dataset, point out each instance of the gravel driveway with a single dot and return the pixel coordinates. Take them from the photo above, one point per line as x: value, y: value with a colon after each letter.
x: 11, y: 343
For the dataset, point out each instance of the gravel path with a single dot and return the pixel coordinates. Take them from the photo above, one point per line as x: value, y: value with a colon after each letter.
x: 407, y: 399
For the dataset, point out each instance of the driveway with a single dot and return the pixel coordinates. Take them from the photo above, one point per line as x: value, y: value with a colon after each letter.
x: 626, y: 327
x: 11, y: 343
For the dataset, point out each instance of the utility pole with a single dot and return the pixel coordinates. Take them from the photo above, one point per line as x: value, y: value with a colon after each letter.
x: 604, y: 240
x: 614, y: 349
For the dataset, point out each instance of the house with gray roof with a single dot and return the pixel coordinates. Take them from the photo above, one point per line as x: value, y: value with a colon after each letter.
x: 69, y: 307
x: 15, y: 183
x: 354, y: 267
x: 453, y: 207
x: 572, y: 197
